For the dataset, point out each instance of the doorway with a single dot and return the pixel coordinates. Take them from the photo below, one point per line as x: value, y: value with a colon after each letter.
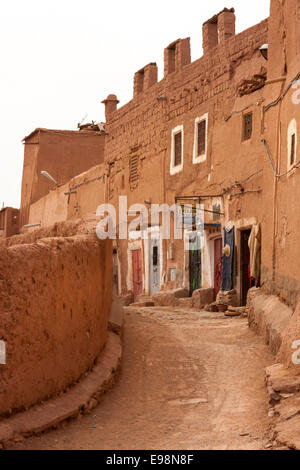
x: 137, y: 277
x: 245, y: 266
x: 217, y: 265
x: 154, y: 266
x: 195, y: 259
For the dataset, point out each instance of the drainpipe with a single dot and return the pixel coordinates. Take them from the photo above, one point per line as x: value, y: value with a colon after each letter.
x: 275, y: 205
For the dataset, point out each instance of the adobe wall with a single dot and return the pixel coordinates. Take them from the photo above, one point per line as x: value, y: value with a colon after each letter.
x: 54, y: 304
x: 62, y: 154
x: 280, y: 251
x: 76, y: 199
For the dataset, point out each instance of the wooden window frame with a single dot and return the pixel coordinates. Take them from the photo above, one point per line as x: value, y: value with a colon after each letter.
x: 246, y: 137
x: 174, y: 169
x: 202, y: 157
x: 133, y: 171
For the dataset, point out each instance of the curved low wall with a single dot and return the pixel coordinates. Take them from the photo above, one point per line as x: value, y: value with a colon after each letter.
x: 268, y: 317
x: 55, y: 297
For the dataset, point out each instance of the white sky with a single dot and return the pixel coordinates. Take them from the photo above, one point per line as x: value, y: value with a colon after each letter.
x: 61, y: 58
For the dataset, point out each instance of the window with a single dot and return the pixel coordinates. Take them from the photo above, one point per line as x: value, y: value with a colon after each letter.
x: 133, y: 171
x: 200, y: 139
x: 177, y: 150
x: 292, y: 144
x: 216, y: 208
x: 247, y: 126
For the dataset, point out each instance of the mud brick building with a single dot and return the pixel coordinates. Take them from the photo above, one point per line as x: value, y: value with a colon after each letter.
x: 63, y: 154
x: 207, y: 133
x: 191, y: 138
x: 9, y: 222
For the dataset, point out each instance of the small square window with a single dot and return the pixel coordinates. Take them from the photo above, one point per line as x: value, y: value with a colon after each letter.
x: 177, y: 149
x: 247, y: 126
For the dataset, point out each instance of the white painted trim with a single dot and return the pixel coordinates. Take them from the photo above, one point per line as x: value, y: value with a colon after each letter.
x: 152, y: 233
x: 200, y: 158
x: 292, y: 129
x: 176, y: 169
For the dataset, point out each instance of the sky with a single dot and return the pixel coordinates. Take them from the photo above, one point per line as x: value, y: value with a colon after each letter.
x: 61, y: 58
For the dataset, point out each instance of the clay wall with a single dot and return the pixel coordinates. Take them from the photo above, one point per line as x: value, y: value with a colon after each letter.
x: 54, y: 305
x: 78, y: 198
x: 281, y: 194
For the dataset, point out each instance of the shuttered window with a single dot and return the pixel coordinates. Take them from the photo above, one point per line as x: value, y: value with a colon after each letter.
x: 133, y: 171
x: 247, y: 128
x: 201, y: 131
x: 178, y: 149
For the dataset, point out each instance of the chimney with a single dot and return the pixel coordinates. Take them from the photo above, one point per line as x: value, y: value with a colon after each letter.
x: 177, y: 55
x: 210, y: 36
x: 145, y: 78
x: 110, y: 105
x: 226, y: 25
x: 217, y: 29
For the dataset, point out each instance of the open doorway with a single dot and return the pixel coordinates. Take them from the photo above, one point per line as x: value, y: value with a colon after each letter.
x: 245, y: 266
x: 195, y: 262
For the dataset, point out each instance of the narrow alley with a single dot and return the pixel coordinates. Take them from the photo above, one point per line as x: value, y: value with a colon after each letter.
x: 190, y: 380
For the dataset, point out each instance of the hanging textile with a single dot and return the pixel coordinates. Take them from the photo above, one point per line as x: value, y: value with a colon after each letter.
x: 254, y: 244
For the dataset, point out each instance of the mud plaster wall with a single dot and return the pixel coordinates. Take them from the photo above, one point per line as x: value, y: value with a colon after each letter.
x: 88, y: 192
x: 55, y: 297
x: 281, y: 226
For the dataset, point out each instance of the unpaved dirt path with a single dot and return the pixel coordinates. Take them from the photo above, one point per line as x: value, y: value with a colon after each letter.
x: 189, y: 381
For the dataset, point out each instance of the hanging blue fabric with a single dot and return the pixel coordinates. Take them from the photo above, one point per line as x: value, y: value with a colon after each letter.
x: 227, y: 270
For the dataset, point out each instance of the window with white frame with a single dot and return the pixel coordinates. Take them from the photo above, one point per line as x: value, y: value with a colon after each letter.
x: 292, y: 143
x: 177, y: 150
x: 200, y: 139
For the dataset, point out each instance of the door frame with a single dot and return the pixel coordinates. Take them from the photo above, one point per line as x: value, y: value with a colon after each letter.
x: 134, y: 243
x: 187, y: 233
x: 242, y: 230
x: 152, y: 232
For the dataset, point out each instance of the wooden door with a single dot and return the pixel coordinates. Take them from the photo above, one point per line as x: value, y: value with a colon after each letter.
x: 217, y: 265
x: 137, y: 275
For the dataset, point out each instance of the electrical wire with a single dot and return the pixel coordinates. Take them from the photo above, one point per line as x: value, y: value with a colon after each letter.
x: 278, y: 175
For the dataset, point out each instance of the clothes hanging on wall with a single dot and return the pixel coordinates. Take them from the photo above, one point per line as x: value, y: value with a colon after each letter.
x: 228, y: 256
x: 254, y: 244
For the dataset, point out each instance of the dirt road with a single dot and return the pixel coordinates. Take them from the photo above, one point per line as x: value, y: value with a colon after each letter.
x: 189, y: 381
